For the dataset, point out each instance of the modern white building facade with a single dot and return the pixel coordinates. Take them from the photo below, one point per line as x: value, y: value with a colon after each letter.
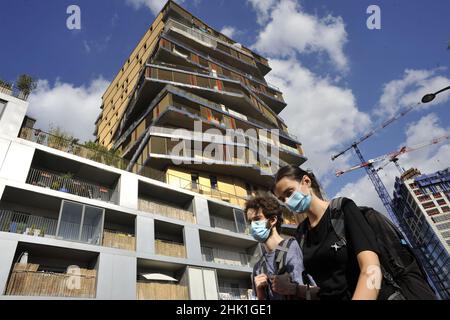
x: 130, y: 237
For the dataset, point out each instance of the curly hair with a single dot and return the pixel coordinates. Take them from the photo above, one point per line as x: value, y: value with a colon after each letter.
x: 270, y: 208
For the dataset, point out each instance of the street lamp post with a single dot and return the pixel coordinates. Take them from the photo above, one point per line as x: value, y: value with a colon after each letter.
x: 430, y: 96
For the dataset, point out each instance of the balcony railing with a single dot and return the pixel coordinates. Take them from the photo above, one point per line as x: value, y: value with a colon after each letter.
x: 119, y: 240
x: 22, y: 223
x: 72, y: 147
x: 161, y: 291
x: 170, y: 248
x: 25, y: 280
x: 27, y: 224
x: 43, y: 138
x: 212, y: 42
x: 227, y: 257
x: 166, y: 210
x: 14, y: 92
x: 228, y: 293
x: 57, y: 182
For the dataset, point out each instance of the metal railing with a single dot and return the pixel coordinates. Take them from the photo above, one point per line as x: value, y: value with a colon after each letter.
x: 228, y: 293
x: 227, y: 257
x: 22, y: 223
x: 72, y: 147
x: 46, y: 139
x: 14, y: 92
x: 57, y: 182
x: 166, y: 210
x: 170, y: 248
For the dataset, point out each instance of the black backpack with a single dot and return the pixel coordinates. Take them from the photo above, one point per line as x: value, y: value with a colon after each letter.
x: 403, y: 276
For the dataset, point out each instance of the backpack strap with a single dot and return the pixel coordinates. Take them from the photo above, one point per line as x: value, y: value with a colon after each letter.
x: 281, y: 253
x: 337, y: 220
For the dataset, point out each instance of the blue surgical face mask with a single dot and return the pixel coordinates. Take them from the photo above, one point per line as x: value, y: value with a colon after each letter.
x: 299, y: 202
x: 259, y: 230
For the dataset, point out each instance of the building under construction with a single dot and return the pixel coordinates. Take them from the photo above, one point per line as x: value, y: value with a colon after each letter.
x: 422, y: 205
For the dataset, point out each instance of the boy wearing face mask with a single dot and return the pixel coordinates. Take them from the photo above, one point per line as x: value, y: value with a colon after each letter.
x: 265, y: 215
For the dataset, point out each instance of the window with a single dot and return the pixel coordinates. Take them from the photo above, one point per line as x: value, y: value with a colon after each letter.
x: 80, y: 222
x: 213, y: 181
x: 194, y: 180
x: 2, y: 107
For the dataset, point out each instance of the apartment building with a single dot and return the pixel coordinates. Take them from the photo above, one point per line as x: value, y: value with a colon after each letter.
x: 422, y: 203
x: 184, y: 74
x: 73, y: 225
x: 76, y: 222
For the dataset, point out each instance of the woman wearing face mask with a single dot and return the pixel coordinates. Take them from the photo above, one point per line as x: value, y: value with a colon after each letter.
x: 265, y: 215
x: 342, y: 271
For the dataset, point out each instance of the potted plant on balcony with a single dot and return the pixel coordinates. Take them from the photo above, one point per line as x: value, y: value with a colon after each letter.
x: 42, y: 232
x: 65, y: 177
x: 26, y: 84
x: 21, y: 228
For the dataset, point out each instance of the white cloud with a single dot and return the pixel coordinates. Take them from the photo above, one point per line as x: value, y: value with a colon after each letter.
x: 427, y: 160
x: 72, y: 108
x: 228, y: 31
x: 410, y: 89
x: 290, y: 30
x: 154, y: 5
x: 262, y: 8
x: 322, y: 114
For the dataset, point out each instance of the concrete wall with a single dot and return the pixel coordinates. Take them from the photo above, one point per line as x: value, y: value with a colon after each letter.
x: 128, y: 191
x: 192, y: 243
x: 17, y: 162
x: 145, y: 235
x: 7, y: 249
x: 201, y: 211
x: 116, y: 277
x: 12, y: 117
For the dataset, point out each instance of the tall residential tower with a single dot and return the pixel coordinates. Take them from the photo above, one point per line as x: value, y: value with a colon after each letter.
x: 181, y: 75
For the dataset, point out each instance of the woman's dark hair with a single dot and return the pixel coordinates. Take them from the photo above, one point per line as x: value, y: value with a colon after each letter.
x: 295, y: 173
x: 270, y: 208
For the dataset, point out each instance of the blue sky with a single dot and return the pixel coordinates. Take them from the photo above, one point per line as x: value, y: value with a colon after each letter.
x: 338, y: 77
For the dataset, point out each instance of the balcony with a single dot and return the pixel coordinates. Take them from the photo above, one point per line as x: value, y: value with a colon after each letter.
x: 227, y: 257
x: 230, y: 293
x: 26, y: 280
x: 169, y: 239
x: 119, y: 240
x: 167, y: 211
x: 52, y: 272
x: 72, y: 147
x: 227, y: 218
x: 12, y: 91
x: 170, y: 248
x: 231, y: 54
x: 168, y: 203
x: 159, y: 280
x: 27, y: 224
x: 155, y: 290
x: 65, y: 183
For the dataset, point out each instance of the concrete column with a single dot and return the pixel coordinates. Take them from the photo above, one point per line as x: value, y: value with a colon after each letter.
x: 145, y: 235
x: 4, y: 146
x: 2, y: 189
x: 7, y: 249
x: 116, y: 277
x: 12, y: 117
x: 128, y: 190
x: 192, y: 243
x: 201, y: 211
x: 17, y: 162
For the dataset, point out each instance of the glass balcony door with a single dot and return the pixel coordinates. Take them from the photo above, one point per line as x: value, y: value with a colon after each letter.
x: 79, y: 222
